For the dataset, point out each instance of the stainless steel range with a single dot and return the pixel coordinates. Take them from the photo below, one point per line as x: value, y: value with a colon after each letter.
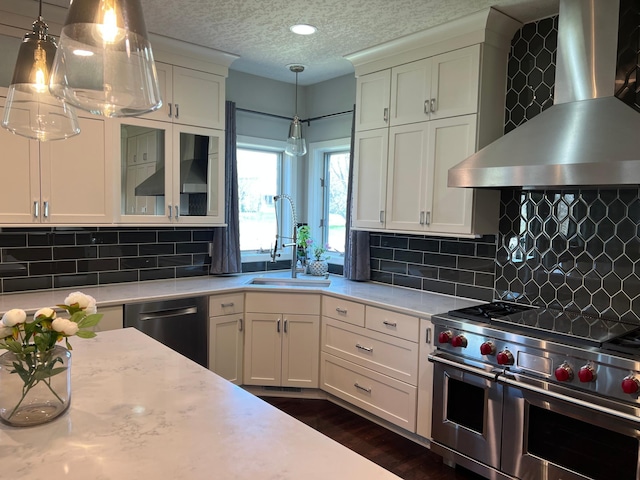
x: 532, y: 393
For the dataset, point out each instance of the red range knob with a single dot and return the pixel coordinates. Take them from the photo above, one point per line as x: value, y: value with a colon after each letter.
x: 459, y: 341
x: 445, y: 337
x: 564, y: 373
x: 587, y: 374
x: 505, y: 357
x: 487, y: 348
x: 630, y: 384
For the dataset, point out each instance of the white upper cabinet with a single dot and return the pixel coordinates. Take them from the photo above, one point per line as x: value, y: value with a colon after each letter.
x: 372, y: 100
x: 65, y: 182
x: 442, y: 86
x: 190, y: 97
x: 370, y: 174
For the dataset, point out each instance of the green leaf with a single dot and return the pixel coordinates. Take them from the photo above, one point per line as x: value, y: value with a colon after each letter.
x: 90, y: 320
x: 86, y: 334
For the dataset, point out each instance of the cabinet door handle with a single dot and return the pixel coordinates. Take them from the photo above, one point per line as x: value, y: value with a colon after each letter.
x: 428, y: 336
x: 46, y: 210
x: 36, y: 209
x: 342, y: 311
x: 177, y: 210
x: 381, y: 216
x: 278, y: 326
x: 170, y: 110
x: 433, y: 105
x: 390, y: 324
x: 285, y: 325
x: 177, y: 111
x: 427, y: 218
x: 225, y: 305
x: 239, y: 324
x: 422, y: 218
x: 385, y: 115
x: 426, y: 107
x: 362, y: 347
x: 360, y: 387
x: 169, y: 207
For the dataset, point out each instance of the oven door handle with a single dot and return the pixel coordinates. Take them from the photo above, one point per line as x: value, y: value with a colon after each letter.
x: 566, y: 398
x: 461, y: 366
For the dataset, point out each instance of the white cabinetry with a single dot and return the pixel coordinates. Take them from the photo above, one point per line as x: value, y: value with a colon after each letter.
x: 190, y: 97
x: 370, y: 359
x: 282, y: 340
x: 226, y: 334
x: 66, y: 182
x: 425, y: 379
x: 430, y: 124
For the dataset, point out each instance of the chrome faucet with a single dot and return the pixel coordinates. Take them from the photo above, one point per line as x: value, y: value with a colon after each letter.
x: 294, y: 237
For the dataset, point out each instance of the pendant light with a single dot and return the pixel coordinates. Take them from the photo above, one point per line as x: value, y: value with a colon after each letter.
x: 31, y: 111
x: 104, y: 63
x: 296, y: 144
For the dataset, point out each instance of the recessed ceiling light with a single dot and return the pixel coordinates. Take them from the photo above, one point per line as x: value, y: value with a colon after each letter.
x: 303, y: 29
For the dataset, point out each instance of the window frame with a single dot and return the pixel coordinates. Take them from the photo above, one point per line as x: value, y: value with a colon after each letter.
x: 317, y: 173
x: 286, y: 184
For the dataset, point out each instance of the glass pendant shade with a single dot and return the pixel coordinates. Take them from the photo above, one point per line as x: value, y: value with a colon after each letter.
x: 31, y: 111
x: 104, y: 63
x: 296, y: 144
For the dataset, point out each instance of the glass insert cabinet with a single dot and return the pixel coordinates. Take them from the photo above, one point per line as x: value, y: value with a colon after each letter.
x: 171, y: 173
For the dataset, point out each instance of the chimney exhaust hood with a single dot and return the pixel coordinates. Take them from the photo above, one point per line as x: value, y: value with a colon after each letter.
x: 588, y: 137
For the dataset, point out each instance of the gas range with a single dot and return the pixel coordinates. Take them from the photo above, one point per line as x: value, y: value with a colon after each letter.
x: 560, y: 348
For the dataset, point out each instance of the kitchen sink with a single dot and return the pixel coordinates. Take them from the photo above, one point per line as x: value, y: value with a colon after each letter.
x: 291, y: 282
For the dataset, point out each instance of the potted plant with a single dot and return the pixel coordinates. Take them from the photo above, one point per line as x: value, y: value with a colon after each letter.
x: 304, y: 243
x: 319, y: 266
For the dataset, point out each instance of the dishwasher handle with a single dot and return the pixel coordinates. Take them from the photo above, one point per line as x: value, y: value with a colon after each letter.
x: 169, y: 313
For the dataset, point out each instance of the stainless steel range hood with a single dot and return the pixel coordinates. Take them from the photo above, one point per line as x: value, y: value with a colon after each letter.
x: 588, y: 137
x: 193, y: 179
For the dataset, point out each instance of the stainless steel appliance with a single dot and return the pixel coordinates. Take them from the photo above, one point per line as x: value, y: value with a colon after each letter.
x: 180, y: 324
x: 532, y: 393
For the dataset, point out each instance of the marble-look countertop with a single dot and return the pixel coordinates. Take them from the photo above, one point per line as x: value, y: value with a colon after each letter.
x: 405, y: 300
x: 141, y: 411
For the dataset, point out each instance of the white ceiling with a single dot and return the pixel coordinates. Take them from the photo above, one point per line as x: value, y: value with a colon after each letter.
x: 258, y: 30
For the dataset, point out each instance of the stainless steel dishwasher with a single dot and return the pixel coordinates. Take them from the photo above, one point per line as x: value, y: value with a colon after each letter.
x: 180, y: 324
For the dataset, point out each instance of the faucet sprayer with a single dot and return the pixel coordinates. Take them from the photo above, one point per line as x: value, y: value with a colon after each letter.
x: 294, y: 237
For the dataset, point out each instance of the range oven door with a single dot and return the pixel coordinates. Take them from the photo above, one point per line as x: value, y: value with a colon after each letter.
x: 556, y: 434
x: 467, y: 410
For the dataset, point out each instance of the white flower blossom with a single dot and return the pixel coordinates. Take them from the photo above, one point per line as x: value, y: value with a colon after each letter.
x: 5, y: 332
x: 45, y: 312
x: 65, y: 326
x: 85, y: 302
x: 14, y: 317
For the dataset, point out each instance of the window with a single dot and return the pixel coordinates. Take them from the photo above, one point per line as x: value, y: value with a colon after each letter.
x: 263, y: 172
x: 327, y: 190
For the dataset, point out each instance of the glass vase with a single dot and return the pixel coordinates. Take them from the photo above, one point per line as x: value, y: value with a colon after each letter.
x: 34, y: 388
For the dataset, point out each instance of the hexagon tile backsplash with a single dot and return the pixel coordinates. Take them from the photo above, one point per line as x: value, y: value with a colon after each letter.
x: 577, y: 250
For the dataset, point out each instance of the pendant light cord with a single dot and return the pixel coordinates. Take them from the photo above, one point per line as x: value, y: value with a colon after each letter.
x: 40, y: 10
x: 296, y: 109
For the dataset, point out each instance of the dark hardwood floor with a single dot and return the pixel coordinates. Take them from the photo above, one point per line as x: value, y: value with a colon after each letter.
x: 391, y: 451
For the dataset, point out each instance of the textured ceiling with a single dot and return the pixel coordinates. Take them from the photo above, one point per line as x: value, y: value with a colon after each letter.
x: 258, y: 30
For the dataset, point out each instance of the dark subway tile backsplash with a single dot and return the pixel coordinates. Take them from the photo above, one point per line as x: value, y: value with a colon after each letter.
x: 67, y: 257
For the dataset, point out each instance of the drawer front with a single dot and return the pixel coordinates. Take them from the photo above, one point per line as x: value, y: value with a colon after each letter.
x: 392, y: 323
x: 384, y: 354
x: 345, y: 310
x: 303, y: 303
x: 226, y: 304
x: 383, y: 396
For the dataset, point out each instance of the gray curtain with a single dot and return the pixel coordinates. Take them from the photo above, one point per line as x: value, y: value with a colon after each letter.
x: 357, y: 255
x: 225, y: 256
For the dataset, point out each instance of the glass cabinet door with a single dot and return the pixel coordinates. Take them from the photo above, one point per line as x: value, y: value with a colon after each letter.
x: 145, y: 183
x: 199, y: 166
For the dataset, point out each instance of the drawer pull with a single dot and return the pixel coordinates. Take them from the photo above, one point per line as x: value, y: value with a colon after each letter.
x: 225, y: 305
x: 360, y: 387
x: 390, y: 324
x: 239, y: 324
x: 342, y: 311
x: 366, y: 349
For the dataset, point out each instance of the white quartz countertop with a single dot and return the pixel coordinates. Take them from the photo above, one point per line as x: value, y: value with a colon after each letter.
x: 141, y: 411
x: 404, y: 300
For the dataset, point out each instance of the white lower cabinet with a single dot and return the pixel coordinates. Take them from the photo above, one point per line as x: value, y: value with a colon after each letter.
x: 282, y: 340
x: 425, y: 379
x: 226, y: 334
x: 373, y: 366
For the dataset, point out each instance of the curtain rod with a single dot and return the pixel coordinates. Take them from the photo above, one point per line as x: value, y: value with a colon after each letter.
x: 307, y: 121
